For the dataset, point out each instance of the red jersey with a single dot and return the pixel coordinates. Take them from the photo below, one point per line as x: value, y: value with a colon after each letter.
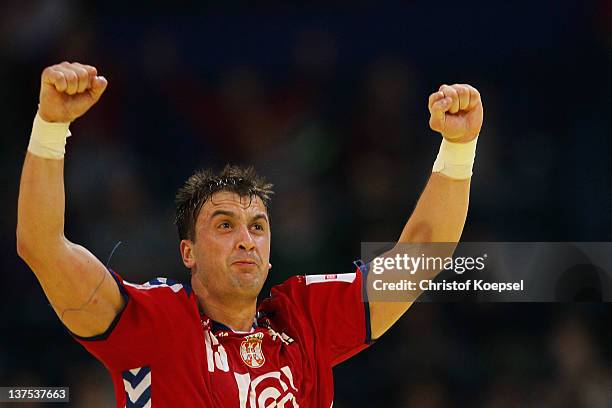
x: 161, y: 352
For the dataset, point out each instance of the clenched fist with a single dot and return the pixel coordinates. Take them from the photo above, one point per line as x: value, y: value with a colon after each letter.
x: 456, y: 112
x: 68, y: 90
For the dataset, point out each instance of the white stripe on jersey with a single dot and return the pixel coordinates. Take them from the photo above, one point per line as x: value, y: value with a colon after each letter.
x: 341, y: 277
x: 162, y: 284
x: 134, y: 393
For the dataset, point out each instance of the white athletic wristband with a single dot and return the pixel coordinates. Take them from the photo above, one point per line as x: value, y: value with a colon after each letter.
x: 456, y: 160
x: 48, y: 139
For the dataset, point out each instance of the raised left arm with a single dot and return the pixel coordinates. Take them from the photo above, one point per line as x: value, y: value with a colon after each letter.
x: 440, y: 213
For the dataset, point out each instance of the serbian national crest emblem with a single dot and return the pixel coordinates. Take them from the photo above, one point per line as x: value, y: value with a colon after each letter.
x: 251, y: 350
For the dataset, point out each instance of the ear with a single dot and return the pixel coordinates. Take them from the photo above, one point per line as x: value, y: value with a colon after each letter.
x: 186, y: 247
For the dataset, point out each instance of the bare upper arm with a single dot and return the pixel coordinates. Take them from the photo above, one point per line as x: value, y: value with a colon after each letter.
x: 383, y: 315
x: 79, y: 287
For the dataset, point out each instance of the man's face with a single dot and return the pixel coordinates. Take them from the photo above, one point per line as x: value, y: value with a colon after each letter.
x: 231, y: 253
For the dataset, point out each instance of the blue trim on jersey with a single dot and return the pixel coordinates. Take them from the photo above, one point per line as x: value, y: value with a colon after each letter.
x: 126, y: 298
x: 135, y: 380
x: 141, y: 402
x: 168, y: 282
x: 217, y: 327
x: 365, y: 269
x: 108, y: 331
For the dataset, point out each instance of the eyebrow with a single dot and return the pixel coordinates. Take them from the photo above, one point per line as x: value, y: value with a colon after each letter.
x: 222, y: 212
x: 260, y: 216
x: 231, y: 214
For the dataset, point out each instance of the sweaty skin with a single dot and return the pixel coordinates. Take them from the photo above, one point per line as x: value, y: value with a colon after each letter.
x: 229, y: 257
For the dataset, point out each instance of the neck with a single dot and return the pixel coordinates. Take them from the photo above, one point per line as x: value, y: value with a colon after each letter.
x: 236, y: 318
x: 234, y: 313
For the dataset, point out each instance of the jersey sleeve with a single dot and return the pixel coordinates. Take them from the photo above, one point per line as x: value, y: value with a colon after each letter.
x: 336, y: 307
x: 146, y: 326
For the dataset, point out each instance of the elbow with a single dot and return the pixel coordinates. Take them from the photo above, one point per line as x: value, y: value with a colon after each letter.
x: 32, y: 245
x: 27, y: 245
x: 417, y: 232
x: 23, y: 245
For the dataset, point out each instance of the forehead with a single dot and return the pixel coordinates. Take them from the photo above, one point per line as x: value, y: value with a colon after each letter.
x: 226, y: 200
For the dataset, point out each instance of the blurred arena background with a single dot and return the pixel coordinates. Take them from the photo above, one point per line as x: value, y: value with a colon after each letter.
x: 328, y: 100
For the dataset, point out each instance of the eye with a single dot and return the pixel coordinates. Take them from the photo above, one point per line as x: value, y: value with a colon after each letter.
x: 258, y: 227
x: 224, y: 225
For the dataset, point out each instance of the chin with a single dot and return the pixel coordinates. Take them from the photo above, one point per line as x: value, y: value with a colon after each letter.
x: 248, y: 285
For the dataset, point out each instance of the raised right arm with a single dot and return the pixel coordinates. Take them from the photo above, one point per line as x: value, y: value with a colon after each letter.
x: 77, y: 284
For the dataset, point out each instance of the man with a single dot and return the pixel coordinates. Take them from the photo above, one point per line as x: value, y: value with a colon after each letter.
x: 209, y: 344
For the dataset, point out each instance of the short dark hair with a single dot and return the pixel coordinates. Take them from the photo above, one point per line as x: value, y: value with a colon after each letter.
x: 200, y: 187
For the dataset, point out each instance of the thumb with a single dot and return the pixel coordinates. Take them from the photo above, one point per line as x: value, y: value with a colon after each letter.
x: 438, y: 114
x: 98, y: 86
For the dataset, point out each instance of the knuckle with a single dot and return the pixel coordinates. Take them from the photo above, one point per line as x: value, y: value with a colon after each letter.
x: 81, y: 72
x: 71, y: 76
x: 56, y: 77
x: 81, y: 69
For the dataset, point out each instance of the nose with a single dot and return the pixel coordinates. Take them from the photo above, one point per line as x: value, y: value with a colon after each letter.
x: 245, y: 240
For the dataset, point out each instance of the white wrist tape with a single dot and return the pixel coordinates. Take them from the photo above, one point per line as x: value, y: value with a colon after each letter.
x: 456, y: 160
x: 48, y: 139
